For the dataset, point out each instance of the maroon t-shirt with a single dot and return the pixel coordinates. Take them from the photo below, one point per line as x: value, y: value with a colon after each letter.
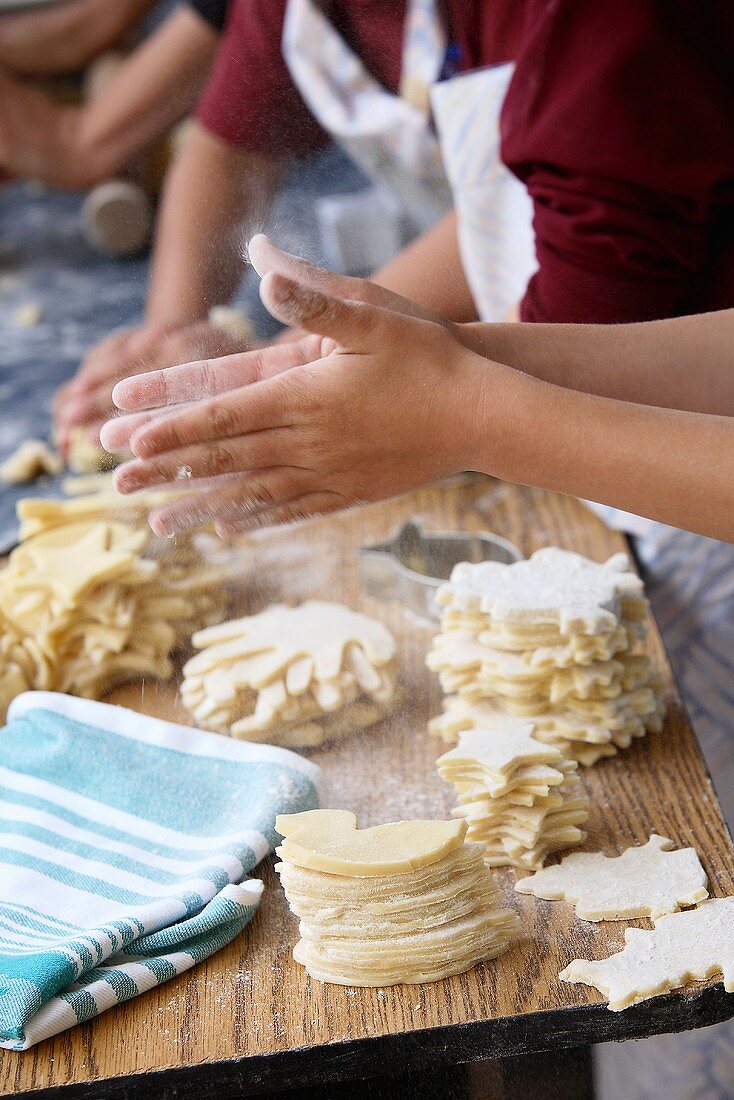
x: 251, y: 101
x: 620, y: 120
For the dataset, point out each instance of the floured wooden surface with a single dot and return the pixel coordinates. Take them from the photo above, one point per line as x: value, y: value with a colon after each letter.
x: 252, y: 999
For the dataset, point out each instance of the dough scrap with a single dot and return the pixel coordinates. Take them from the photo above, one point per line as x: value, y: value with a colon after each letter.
x: 682, y: 947
x: 86, y: 457
x: 232, y: 320
x: 32, y: 459
x: 646, y: 881
x: 329, y: 840
x: 554, y: 587
x: 294, y: 675
x: 433, y: 910
x: 28, y: 315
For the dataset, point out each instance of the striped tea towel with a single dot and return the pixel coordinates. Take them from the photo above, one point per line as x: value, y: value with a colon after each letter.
x: 125, y: 847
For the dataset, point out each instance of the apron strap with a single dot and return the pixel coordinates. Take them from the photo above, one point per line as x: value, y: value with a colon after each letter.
x: 385, y: 134
x: 424, y: 49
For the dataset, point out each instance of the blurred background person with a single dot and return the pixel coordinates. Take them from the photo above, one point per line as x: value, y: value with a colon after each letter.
x: 76, y: 145
x: 65, y: 37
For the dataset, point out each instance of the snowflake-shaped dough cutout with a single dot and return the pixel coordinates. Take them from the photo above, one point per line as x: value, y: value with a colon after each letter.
x: 682, y: 947
x: 553, y: 586
x: 647, y: 881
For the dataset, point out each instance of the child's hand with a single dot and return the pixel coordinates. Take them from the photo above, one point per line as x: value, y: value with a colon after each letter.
x: 374, y: 404
x: 266, y: 258
x: 147, y: 352
x: 87, y: 398
x: 169, y: 391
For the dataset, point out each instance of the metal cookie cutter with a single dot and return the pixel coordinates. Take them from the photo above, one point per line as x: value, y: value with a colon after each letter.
x: 411, y: 566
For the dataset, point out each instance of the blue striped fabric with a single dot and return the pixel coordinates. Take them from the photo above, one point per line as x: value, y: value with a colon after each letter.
x: 125, y: 849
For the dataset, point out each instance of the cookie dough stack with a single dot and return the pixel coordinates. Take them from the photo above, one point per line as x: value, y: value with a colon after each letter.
x: 520, y: 798
x: 401, y: 903
x: 102, y: 503
x: 295, y: 676
x: 552, y: 639
x: 82, y: 609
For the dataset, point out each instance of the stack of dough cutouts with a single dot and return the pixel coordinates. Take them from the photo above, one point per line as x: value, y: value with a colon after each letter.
x: 551, y: 640
x: 400, y: 903
x: 521, y: 798
x: 85, y: 605
x: 93, y: 498
x: 295, y: 676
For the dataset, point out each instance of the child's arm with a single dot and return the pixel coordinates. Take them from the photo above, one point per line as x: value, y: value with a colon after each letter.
x: 682, y: 363
x: 79, y: 146
x: 214, y: 194
x: 430, y: 271
x: 379, y: 403
x: 212, y: 191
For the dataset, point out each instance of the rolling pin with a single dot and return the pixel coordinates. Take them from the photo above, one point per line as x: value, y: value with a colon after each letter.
x: 117, y: 216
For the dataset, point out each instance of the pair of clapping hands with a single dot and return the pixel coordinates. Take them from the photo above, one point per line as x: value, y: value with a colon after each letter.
x: 378, y: 396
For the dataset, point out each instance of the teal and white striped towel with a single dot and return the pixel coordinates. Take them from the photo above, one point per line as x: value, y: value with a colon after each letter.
x: 125, y: 846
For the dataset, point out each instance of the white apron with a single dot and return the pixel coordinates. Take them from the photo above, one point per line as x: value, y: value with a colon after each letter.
x: 388, y: 136
x: 494, y: 210
x: 391, y: 139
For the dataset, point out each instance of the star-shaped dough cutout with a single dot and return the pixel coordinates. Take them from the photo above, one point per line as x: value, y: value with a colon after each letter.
x: 498, y: 752
x: 73, y: 567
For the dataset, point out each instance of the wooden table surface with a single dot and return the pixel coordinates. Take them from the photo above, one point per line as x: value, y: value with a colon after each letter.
x: 249, y: 1020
